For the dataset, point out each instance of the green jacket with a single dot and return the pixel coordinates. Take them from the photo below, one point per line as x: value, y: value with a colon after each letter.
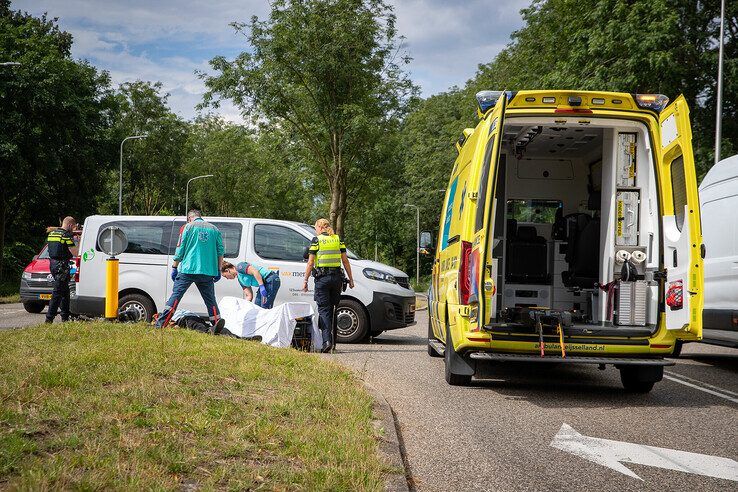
x: 200, y: 245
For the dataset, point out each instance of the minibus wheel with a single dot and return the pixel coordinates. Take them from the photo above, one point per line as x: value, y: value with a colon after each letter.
x: 142, y: 305
x: 352, y: 323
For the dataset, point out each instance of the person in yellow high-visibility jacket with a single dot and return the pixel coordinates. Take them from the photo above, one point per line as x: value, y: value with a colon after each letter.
x: 326, y: 254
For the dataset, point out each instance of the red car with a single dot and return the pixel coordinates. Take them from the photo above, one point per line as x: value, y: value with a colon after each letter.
x: 37, y: 283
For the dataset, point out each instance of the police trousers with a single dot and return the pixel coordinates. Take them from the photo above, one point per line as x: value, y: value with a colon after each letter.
x: 327, y: 296
x: 60, y: 294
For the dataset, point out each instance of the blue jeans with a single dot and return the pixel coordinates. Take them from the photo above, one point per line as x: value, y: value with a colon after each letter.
x: 272, y: 284
x: 205, y: 285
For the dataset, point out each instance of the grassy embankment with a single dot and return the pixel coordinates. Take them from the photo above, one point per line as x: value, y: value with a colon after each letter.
x: 9, y: 291
x: 105, y: 406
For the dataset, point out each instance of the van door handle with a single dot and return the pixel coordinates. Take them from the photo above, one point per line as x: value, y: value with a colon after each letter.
x: 675, y: 258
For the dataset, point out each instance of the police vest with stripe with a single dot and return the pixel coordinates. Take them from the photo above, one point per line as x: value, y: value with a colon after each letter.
x: 329, y: 252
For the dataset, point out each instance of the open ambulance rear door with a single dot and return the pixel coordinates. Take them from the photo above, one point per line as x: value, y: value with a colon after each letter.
x: 682, y: 236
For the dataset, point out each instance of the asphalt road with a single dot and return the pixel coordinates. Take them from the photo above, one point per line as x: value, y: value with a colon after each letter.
x: 497, y: 433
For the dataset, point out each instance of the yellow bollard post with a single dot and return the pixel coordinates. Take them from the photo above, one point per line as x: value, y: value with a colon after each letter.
x: 111, y: 289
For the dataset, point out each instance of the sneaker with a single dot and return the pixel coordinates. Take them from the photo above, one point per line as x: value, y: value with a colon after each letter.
x: 217, y: 328
x: 255, y: 338
x: 49, y: 321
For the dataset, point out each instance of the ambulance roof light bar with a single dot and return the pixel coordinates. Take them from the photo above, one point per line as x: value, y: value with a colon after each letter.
x: 655, y: 102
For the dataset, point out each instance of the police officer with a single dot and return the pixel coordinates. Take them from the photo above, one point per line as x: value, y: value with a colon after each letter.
x: 61, y: 249
x: 326, y: 253
x: 197, y: 260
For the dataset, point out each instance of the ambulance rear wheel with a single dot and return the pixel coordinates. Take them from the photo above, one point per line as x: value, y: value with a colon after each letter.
x: 431, y: 351
x: 449, y: 354
x: 638, y: 379
x: 352, y: 322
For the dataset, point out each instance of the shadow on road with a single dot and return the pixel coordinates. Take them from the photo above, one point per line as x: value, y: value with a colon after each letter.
x: 554, y: 386
x: 728, y: 362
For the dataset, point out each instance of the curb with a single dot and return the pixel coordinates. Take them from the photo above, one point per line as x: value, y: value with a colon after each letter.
x: 389, y: 443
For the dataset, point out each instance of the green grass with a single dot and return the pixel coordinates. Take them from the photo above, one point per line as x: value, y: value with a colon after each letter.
x: 111, y: 406
x: 10, y: 299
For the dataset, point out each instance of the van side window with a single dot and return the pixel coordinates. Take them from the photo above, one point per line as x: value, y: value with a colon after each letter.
x: 275, y: 242
x: 678, y: 190
x: 231, y: 233
x: 144, y: 237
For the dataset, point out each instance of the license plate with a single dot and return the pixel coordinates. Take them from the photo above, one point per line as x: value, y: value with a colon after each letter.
x: 45, y: 297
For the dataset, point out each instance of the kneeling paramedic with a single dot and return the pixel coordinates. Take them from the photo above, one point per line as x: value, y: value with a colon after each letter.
x: 252, y: 275
x: 197, y: 260
x: 61, y: 249
x: 326, y: 253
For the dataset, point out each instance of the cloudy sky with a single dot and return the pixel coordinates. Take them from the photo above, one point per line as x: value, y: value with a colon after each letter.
x: 167, y: 40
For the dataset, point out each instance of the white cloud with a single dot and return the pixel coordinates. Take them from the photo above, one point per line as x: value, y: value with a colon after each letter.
x: 168, y: 40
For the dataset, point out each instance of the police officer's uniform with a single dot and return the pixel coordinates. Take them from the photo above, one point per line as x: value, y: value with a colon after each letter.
x: 59, y: 241
x: 328, y: 283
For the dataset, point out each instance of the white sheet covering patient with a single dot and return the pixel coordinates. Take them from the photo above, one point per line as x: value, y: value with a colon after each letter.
x: 275, y: 326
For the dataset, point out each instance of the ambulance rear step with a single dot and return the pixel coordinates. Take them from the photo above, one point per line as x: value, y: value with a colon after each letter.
x: 572, y: 359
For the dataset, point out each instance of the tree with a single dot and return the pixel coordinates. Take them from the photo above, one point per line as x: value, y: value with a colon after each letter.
x: 328, y: 71
x: 55, y: 130
x: 153, y: 182
x: 253, y: 175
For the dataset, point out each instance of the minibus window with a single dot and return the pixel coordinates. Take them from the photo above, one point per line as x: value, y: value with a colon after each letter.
x: 678, y: 190
x: 144, y: 237
x: 275, y: 242
x: 533, y: 211
x: 231, y: 233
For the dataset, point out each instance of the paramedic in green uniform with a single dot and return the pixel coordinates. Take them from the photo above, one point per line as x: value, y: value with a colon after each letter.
x: 326, y: 254
x: 197, y: 260
x: 252, y: 275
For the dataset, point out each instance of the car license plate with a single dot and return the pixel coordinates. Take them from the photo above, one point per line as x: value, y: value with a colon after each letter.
x: 45, y: 297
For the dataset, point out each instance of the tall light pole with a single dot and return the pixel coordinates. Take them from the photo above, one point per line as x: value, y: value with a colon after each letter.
x: 120, y: 181
x: 187, y: 190
x: 417, y: 243
x: 719, y: 102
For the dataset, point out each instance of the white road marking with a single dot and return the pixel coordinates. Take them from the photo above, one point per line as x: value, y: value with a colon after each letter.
x: 12, y: 312
x: 704, y: 387
x: 613, y: 453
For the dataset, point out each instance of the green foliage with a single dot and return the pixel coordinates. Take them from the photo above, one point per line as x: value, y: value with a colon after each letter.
x: 54, y: 140
x: 339, y: 90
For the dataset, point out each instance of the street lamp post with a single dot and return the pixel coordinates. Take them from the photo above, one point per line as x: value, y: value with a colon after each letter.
x: 719, y: 101
x: 120, y: 181
x: 417, y: 243
x: 187, y: 190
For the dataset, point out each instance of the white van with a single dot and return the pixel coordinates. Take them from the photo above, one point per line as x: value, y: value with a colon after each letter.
x: 381, y: 299
x: 719, y: 202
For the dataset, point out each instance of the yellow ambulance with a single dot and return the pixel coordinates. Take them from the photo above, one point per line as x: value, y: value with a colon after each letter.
x: 570, y: 233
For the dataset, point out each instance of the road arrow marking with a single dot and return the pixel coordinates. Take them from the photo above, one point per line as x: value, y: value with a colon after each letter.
x: 613, y: 453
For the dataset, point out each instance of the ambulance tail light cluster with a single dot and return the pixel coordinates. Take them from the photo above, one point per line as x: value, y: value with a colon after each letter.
x: 655, y: 102
x: 465, y: 273
x: 77, y: 263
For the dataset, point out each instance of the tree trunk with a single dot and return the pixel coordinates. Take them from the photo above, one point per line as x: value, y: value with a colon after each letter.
x: 338, y: 203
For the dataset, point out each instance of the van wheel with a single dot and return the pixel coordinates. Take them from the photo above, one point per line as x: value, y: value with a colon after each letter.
x: 352, y: 323
x: 639, y: 379
x: 34, y: 307
x: 431, y: 351
x: 141, y: 305
x: 451, y: 360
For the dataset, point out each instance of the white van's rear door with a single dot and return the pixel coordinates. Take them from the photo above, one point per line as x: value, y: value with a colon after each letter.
x: 683, y: 288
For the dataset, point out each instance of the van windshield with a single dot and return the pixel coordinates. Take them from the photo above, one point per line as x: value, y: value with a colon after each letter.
x: 311, y: 231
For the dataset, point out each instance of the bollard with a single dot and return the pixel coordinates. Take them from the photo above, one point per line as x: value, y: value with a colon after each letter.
x: 111, y: 289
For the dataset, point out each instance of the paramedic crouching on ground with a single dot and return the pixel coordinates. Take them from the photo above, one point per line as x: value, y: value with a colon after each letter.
x: 197, y: 260
x: 327, y: 252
